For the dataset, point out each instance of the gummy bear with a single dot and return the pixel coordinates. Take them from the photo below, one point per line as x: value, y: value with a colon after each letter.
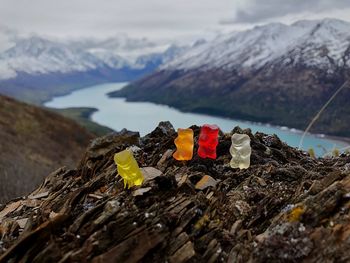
x: 128, y: 168
x: 184, y: 144
x: 208, y: 140
x: 240, y: 151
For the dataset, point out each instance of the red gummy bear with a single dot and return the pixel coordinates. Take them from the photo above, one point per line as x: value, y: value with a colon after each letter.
x: 208, y: 140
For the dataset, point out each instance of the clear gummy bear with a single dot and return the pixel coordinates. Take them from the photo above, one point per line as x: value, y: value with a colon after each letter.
x: 240, y: 151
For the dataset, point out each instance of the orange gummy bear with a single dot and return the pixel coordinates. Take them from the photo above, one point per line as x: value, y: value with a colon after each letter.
x: 184, y: 144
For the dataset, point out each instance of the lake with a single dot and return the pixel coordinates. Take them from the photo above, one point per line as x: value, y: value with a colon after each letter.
x: 117, y: 114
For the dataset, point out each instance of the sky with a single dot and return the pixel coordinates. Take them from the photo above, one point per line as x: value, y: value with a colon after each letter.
x: 158, y: 19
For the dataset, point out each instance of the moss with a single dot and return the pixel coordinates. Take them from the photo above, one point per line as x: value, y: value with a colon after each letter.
x: 295, y: 214
x: 201, y: 222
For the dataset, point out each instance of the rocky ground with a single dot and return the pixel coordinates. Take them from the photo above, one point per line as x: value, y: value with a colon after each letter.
x: 287, y: 207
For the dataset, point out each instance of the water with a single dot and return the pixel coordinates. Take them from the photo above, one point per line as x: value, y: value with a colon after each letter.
x: 117, y: 114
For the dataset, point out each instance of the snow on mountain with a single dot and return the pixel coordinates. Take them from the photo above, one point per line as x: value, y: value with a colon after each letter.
x: 321, y: 43
x: 325, y: 44
x: 121, y: 45
x: 161, y: 58
x: 109, y: 58
x: 37, y: 55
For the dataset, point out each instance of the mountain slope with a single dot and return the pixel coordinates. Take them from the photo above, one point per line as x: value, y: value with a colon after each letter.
x: 275, y: 73
x: 34, y: 142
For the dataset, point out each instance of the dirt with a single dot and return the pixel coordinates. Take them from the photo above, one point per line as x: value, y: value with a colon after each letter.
x: 286, y: 207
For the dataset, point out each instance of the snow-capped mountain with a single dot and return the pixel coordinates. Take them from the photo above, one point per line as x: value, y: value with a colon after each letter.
x: 37, y: 55
x: 48, y: 66
x: 275, y: 73
x: 321, y: 43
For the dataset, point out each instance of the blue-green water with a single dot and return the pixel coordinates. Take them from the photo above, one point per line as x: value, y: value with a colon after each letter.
x: 117, y: 114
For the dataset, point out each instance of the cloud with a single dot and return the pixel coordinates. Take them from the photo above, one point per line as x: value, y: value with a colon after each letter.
x: 156, y: 19
x: 100, y: 18
x: 255, y: 11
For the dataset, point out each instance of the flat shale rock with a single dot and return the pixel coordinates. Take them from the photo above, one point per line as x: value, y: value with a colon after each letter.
x: 286, y: 207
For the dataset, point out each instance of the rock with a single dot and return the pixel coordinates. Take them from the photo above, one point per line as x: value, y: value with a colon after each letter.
x: 150, y: 173
x: 9, y: 209
x: 235, y: 227
x: 141, y: 191
x: 297, y: 243
x: 95, y: 196
x: 22, y: 222
x: 164, y: 128
x: 261, y: 181
x: 205, y: 182
x: 39, y: 196
x: 184, y: 253
x: 286, y: 207
x: 103, y: 145
x: 162, y: 164
x: 53, y: 215
x: 178, y: 242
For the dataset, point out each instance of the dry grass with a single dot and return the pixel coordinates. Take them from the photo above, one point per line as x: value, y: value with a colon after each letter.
x: 33, y: 143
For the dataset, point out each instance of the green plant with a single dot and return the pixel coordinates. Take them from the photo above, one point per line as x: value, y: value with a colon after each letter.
x: 335, y: 152
x: 311, y: 152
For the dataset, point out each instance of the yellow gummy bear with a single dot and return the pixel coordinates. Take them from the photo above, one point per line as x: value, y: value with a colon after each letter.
x: 184, y: 144
x: 128, y: 168
x: 240, y: 151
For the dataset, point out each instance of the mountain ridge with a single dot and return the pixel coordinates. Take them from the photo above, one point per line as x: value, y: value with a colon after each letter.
x: 263, y: 44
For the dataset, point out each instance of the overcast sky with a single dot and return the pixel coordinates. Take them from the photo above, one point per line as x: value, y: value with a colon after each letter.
x: 158, y: 19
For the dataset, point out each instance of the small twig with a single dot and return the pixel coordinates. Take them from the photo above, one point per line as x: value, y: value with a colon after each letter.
x: 320, y: 112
